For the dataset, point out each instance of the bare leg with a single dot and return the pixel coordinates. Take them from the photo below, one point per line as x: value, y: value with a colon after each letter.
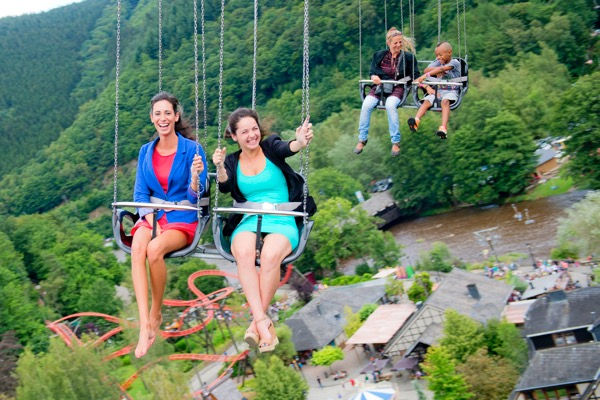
x: 243, y: 249
x: 445, y: 113
x: 423, y: 109
x: 158, y: 247
x: 275, y: 248
x: 140, y: 284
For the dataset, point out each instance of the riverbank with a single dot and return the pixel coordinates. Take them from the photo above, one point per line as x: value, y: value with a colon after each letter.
x: 474, y: 233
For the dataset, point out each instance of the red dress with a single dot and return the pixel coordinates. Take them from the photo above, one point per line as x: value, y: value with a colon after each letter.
x: 162, y: 169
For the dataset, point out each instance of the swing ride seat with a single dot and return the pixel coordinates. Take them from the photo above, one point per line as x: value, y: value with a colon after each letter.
x: 124, y: 240
x: 365, y: 84
x: 462, y: 82
x: 223, y: 243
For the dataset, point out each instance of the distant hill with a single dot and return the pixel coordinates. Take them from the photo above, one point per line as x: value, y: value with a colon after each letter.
x: 57, y: 73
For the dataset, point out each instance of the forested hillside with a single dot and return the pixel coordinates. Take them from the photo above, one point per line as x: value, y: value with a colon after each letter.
x: 534, y: 73
x: 44, y: 58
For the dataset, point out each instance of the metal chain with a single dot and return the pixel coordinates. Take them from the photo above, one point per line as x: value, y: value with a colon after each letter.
x: 305, y: 106
x: 401, y: 17
x: 458, y: 27
x: 203, y: 73
x: 385, y: 14
x: 411, y: 6
x: 439, y: 20
x: 360, y: 39
x: 254, y: 56
x: 159, y: 45
x: 196, y: 107
x: 220, y: 112
x: 117, y: 68
x: 465, y: 28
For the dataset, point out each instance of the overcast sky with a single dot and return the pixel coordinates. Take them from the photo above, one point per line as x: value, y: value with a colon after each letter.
x: 18, y: 7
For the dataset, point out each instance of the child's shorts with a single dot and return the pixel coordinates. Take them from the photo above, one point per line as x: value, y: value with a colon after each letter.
x: 450, y: 95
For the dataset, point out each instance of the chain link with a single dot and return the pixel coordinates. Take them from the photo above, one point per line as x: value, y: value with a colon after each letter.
x: 439, y: 21
x: 254, y: 56
x: 458, y: 27
x: 465, y: 28
x: 196, y: 107
x: 305, y: 106
x: 401, y: 17
x: 117, y: 68
x: 204, y: 116
x: 159, y: 45
x: 220, y: 111
x: 385, y: 15
x: 360, y: 39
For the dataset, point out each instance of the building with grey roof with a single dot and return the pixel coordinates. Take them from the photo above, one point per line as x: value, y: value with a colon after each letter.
x: 571, y: 372
x: 563, y: 333
x: 473, y: 295
x: 563, y: 318
x: 321, y: 321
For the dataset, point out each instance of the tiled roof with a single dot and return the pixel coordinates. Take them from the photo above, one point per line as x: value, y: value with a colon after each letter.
x: 453, y: 293
x: 561, y: 365
x: 322, y: 320
x: 577, y: 308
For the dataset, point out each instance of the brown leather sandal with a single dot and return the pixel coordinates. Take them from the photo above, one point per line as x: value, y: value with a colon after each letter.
x: 358, y: 150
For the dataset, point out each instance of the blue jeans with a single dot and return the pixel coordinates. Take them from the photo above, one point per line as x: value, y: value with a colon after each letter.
x: 369, y: 104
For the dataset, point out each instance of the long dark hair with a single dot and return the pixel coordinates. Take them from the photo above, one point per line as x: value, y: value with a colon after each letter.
x: 236, y: 116
x: 182, y: 126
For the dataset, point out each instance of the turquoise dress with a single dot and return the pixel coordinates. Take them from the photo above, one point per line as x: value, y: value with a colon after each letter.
x: 269, y: 185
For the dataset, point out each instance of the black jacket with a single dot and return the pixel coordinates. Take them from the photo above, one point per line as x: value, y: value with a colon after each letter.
x: 276, y: 150
x: 407, y: 66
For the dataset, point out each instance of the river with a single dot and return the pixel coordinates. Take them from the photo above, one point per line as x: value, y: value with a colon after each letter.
x: 468, y: 232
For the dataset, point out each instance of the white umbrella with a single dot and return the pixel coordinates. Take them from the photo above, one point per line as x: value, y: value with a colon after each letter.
x: 375, y: 394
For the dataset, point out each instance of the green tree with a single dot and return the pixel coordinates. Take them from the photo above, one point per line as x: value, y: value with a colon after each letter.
x: 275, y: 381
x: 462, y: 335
x: 565, y: 250
x: 327, y: 356
x: 19, y: 311
x: 421, y: 287
x: 353, y: 321
x: 580, y: 226
x: 493, y: 163
x: 580, y: 124
x: 178, y: 280
x: 437, y: 259
x: 165, y: 383
x: 490, y: 378
x: 366, y: 310
x: 328, y: 182
x: 394, y: 287
x: 504, y: 339
x: 63, y: 373
x: 9, y: 354
x: 444, y: 381
x: 341, y: 231
x: 423, y: 179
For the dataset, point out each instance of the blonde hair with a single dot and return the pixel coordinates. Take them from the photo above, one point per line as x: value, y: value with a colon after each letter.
x: 408, y: 43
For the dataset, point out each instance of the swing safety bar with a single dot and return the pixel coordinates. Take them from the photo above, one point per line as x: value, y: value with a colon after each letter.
x: 236, y: 210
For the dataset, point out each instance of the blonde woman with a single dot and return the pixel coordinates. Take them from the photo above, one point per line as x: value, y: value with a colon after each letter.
x: 394, y: 63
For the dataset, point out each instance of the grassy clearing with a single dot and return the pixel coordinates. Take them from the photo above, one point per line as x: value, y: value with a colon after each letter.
x: 551, y: 187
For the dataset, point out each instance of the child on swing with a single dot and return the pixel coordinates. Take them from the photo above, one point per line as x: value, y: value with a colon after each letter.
x: 443, y: 68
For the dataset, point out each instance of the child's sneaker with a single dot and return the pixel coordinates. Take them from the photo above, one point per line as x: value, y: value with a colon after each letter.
x: 413, y: 124
x: 442, y: 132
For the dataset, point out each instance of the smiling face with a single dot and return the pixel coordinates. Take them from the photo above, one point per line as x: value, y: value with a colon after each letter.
x: 395, y: 44
x: 443, y: 53
x: 164, y: 117
x: 247, y: 133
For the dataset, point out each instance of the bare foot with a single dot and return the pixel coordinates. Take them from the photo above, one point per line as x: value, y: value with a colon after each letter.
x: 143, y: 344
x: 154, y: 329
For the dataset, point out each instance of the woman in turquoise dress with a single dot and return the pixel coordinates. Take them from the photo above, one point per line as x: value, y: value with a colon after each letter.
x: 257, y: 172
